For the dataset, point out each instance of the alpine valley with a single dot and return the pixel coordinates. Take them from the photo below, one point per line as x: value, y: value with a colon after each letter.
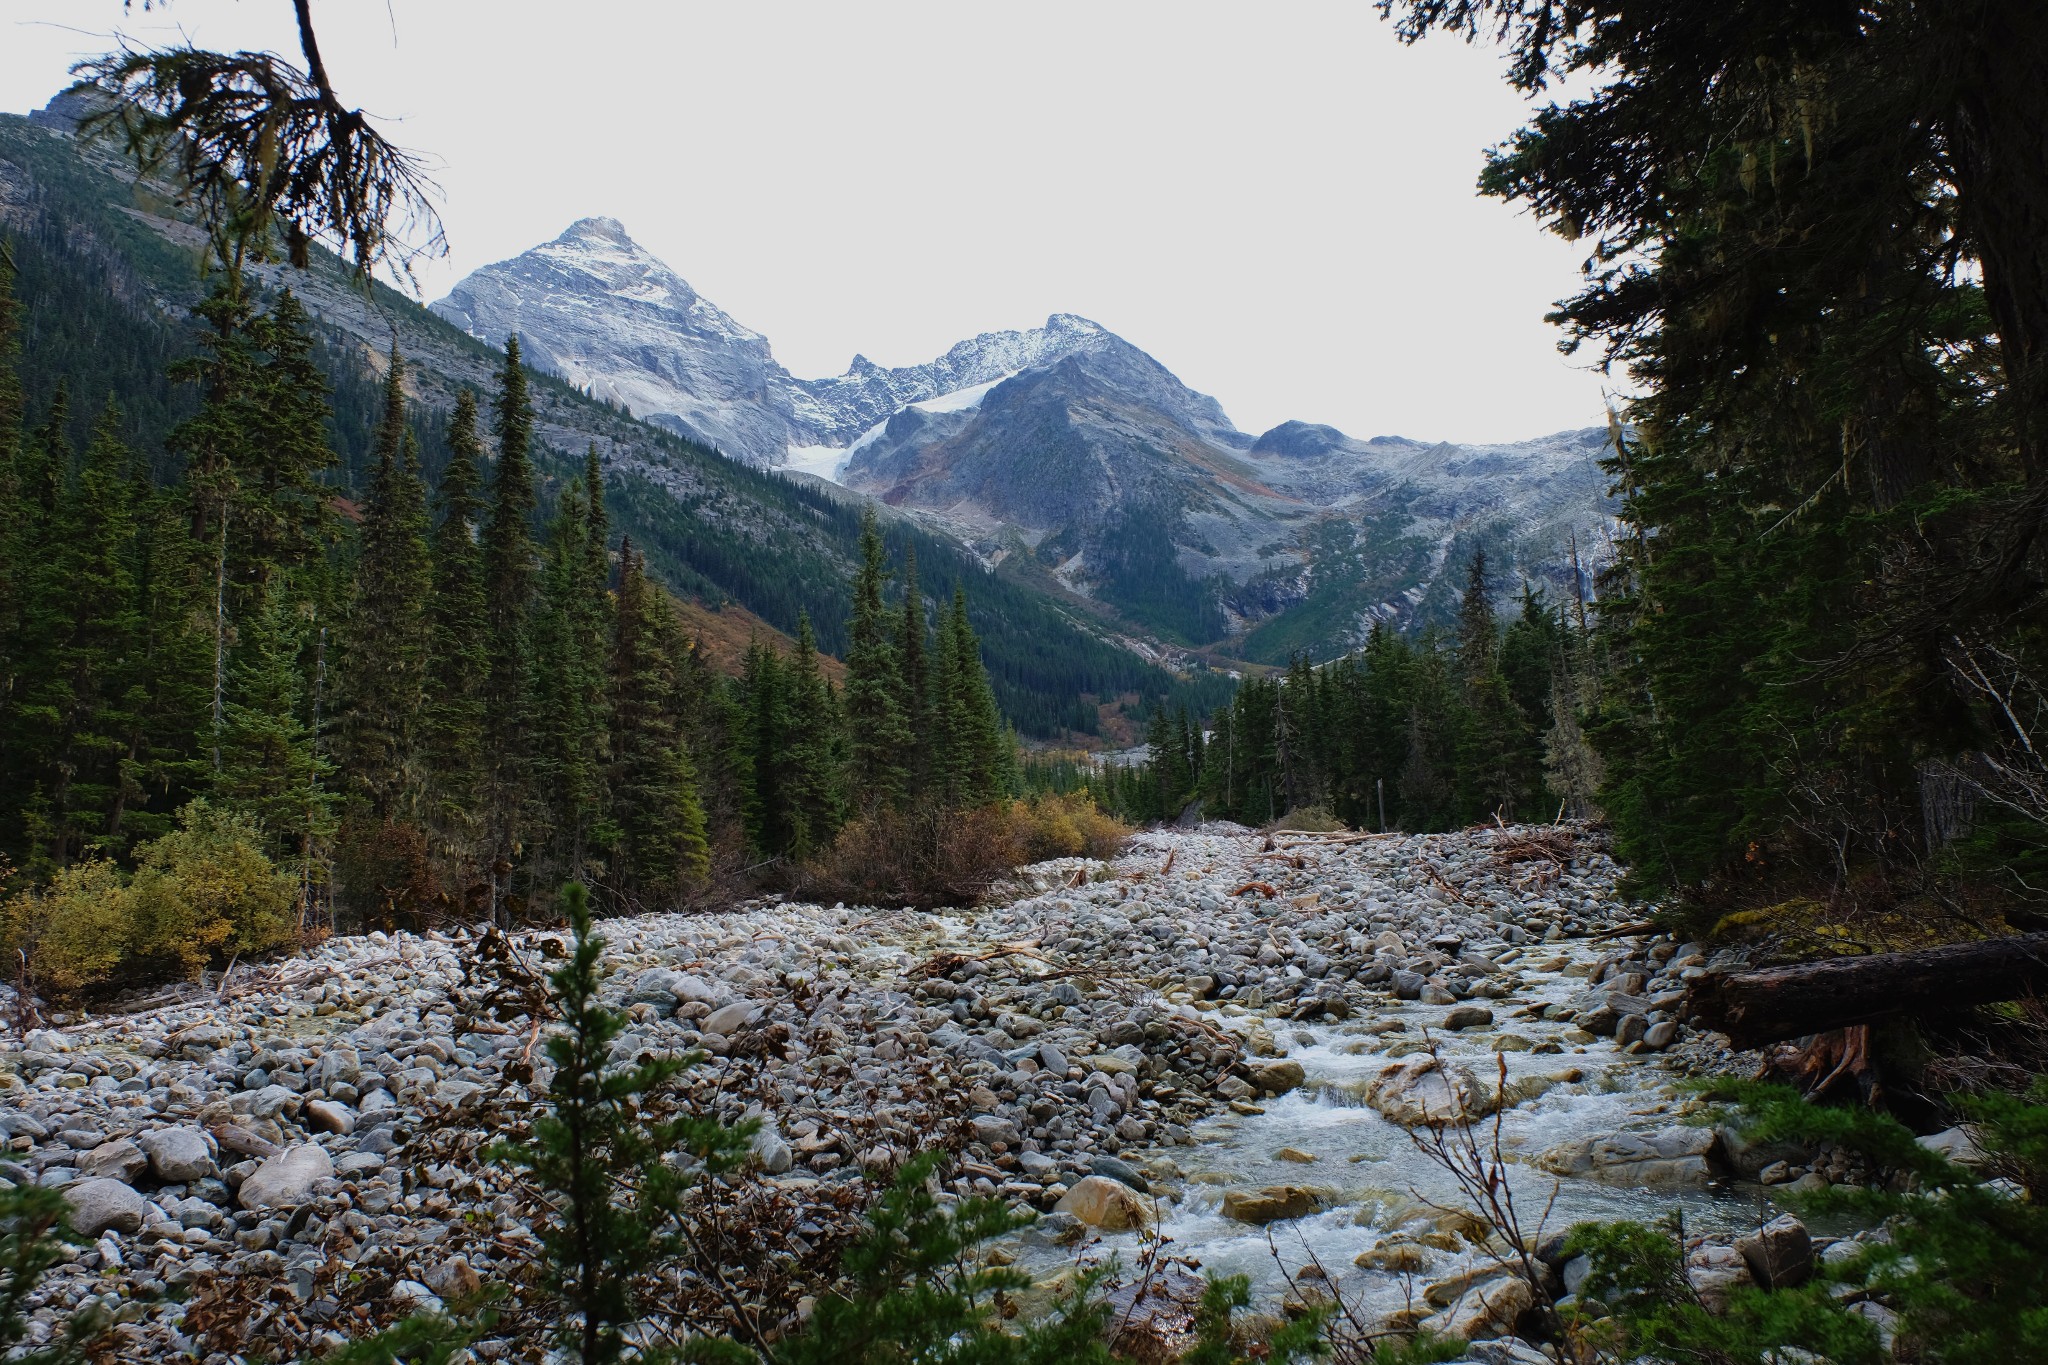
x: 1024, y: 462
x: 1058, y: 454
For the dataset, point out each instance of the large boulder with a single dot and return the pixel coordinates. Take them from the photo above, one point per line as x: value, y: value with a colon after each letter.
x: 1954, y: 1144
x: 1276, y: 1078
x: 1779, y: 1254
x: 1420, y: 1089
x: 104, y: 1205
x: 1713, y: 1270
x: 179, y: 1156
x: 286, y: 1180
x: 1274, y: 1204
x: 1668, y: 1158
x: 1103, y: 1203
x: 1486, y: 1310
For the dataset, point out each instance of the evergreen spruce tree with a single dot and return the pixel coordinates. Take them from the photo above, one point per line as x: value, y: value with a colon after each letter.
x: 764, y: 725
x: 878, y: 738
x: 459, y: 657
x: 13, y: 524
x: 1429, y: 764
x: 508, y: 582
x: 657, y: 843
x: 916, y: 699
x: 1497, y: 760
x: 812, y: 759
x: 271, y: 769
x: 79, y: 638
x: 1170, y: 777
x: 566, y: 722
x: 41, y: 469
x: 972, y: 745
x: 384, y: 671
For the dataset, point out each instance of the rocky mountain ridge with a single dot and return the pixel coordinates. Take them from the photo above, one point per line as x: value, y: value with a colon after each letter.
x: 601, y: 311
x: 1069, y: 457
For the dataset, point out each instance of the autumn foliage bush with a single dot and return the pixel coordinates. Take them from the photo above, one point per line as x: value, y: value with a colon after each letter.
x: 928, y: 855
x: 202, y: 893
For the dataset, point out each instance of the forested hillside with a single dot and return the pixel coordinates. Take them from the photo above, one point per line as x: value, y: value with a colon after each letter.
x: 106, y: 272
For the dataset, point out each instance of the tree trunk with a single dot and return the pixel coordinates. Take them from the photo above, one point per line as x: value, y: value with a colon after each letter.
x: 1813, y: 997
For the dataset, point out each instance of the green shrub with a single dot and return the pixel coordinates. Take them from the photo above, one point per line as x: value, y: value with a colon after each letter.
x: 207, y: 889
x: 73, y: 932
x: 1308, y: 820
x: 202, y: 892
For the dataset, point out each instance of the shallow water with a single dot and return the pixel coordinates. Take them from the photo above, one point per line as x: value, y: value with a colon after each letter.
x: 1378, y: 1183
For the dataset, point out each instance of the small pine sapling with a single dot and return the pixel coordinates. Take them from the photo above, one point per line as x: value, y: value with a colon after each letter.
x: 34, y: 1228
x: 615, y: 1159
x: 915, y: 1292
x: 1299, y: 1339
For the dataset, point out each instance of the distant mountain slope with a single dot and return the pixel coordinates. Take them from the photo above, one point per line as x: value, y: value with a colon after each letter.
x: 107, y: 271
x: 597, y: 309
x: 1070, y: 459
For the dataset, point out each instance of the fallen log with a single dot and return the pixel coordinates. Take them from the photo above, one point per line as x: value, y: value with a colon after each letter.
x: 1776, y: 1003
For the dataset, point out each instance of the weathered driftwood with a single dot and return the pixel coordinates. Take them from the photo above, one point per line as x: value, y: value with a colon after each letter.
x: 1812, y: 997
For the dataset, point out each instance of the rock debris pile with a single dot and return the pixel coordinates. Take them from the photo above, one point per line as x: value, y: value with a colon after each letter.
x: 302, y: 1157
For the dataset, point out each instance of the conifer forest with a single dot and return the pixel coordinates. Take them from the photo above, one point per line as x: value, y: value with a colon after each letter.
x: 493, y: 868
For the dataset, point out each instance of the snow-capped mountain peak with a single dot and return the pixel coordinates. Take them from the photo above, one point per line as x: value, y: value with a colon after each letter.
x: 606, y: 314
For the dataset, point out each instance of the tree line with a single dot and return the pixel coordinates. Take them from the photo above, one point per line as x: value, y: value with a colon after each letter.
x: 1432, y: 732
x: 412, y: 699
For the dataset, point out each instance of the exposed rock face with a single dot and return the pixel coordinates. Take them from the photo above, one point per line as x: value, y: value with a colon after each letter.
x: 592, y: 297
x: 601, y: 311
x: 1063, y: 442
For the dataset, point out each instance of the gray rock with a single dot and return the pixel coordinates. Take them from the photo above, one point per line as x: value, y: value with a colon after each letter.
x: 1660, y: 1034
x: 1779, y: 1254
x: 994, y: 1128
x: 773, y: 1154
x: 178, y: 1156
x: 655, y: 986
x: 1121, y: 1171
x: 1713, y: 1271
x: 1037, y: 1163
x: 1052, y: 1059
x: 1955, y: 1144
x: 121, y: 1160
x: 358, y: 1164
x: 328, y: 1116
x: 1665, y: 1158
x: 286, y: 1180
x: 1468, y: 1016
x: 1630, y: 1028
x: 727, y: 1019
x: 1277, y: 1078
x: 104, y: 1205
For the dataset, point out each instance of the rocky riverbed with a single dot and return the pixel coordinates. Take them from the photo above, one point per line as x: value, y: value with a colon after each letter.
x: 1228, y: 1039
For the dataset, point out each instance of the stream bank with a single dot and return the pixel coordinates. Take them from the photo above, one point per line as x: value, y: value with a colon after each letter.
x: 1247, y: 1032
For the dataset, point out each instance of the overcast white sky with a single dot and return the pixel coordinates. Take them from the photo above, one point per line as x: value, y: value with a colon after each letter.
x: 1273, y: 197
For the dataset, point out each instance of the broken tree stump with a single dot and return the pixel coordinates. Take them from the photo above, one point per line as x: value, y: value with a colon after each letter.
x: 1777, y: 1003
